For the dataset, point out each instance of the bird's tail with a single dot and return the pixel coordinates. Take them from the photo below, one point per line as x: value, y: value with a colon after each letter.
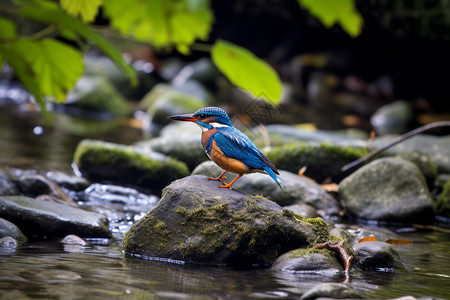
x: 276, y: 178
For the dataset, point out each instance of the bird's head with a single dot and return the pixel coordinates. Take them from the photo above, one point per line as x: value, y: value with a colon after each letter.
x: 207, y: 117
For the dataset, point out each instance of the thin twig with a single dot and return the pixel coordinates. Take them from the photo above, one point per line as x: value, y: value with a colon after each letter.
x: 339, y: 248
x: 395, y: 142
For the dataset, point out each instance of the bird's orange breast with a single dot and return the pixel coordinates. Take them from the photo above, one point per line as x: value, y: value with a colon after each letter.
x: 227, y: 163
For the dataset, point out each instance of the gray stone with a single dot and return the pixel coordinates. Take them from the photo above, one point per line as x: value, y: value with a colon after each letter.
x: 305, y: 210
x: 9, y: 229
x: 7, y: 186
x: 392, y: 118
x: 388, y: 189
x: 305, y: 261
x: 195, y: 221
x: 297, y: 189
x: 330, y: 290
x: 47, y: 219
x: 67, y: 181
x: 114, y: 163
x: 185, y: 148
x: 377, y: 256
x: 436, y: 147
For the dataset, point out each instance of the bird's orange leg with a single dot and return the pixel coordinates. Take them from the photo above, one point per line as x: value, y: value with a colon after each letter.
x: 228, y: 185
x: 220, y: 178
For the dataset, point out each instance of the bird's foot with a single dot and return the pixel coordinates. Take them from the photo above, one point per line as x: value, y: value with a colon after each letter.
x: 226, y: 185
x: 221, y: 179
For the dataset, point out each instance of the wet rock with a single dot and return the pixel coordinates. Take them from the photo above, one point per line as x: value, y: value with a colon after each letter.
x: 8, y: 242
x: 71, y: 182
x: 164, y: 100
x: 388, y: 189
x: 185, y: 148
x: 308, y: 261
x: 352, y: 234
x: 330, y: 290
x: 99, y: 95
x: 9, y: 229
x: 392, y: 118
x: 72, y: 239
x: 436, y: 147
x: 285, y: 134
x: 103, y: 67
x: 202, y: 70
x: 7, y: 186
x: 305, y: 210
x: 195, y: 221
x: 37, y: 185
x: 107, y: 162
x: 322, y: 161
x: 443, y: 201
x: 297, y: 189
x: 425, y: 164
x: 378, y: 256
x: 47, y: 219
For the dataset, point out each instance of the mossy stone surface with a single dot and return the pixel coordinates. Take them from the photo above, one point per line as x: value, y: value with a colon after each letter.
x: 388, y: 189
x: 296, y: 190
x: 443, y: 201
x: 309, y: 260
x: 48, y: 219
x: 322, y: 161
x: 107, y: 162
x: 197, y: 222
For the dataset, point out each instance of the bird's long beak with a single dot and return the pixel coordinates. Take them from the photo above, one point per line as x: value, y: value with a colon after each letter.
x: 187, y: 117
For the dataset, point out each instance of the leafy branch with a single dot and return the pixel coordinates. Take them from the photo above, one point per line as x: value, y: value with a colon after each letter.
x: 49, y: 68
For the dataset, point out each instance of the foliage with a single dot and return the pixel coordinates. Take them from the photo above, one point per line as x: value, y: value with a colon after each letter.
x: 49, y: 68
x: 330, y: 12
x: 243, y: 68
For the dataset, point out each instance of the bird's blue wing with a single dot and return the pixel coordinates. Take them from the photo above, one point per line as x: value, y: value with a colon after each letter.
x: 235, y: 144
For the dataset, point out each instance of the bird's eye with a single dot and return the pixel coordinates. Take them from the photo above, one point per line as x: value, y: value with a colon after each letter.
x: 201, y: 116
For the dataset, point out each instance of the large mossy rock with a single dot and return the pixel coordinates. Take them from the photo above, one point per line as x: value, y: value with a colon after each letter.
x: 296, y: 189
x: 388, y: 189
x: 322, y: 161
x: 107, y: 162
x: 195, y: 221
x: 48, y: 219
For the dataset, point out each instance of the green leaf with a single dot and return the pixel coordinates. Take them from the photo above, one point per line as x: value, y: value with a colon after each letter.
x: 55, y: 65
x: 7, y: 29
x: 330, y: 12
x: 87, y: 9
x: 50, y: 13
x: 23, y: 71
x: 247, y: 71
x: 164, y: 23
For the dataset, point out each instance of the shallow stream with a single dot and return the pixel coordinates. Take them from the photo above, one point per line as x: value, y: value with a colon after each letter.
x: 51, y: 270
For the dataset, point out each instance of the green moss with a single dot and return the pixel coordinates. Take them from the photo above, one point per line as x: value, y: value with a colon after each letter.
x: 443, y: 202
x: 101, y: 161
x: 321, y: 228
x: 322, y: 160
x: 307, y: 251
x: 153, y: 228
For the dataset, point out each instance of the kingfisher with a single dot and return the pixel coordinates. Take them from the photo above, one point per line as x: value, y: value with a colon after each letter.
x: 228, y: 147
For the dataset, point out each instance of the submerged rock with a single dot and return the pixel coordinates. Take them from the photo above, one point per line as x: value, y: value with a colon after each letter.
x: 296, y: 190
x: 322, y: 161
x: 47, y: 219
x: 388, y: 189
x: 330, y: 291
x: 107, y: 162
x: 308, y: 260
x: 380, y: 256
x: 195, y: 221
x: 9, y: 229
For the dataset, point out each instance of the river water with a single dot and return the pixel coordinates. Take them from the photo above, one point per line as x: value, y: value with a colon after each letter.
x: 51, y: 270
